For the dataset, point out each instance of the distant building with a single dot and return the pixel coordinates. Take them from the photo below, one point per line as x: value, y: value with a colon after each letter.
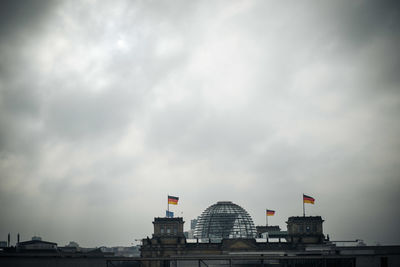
x: 36, y: 238
x: 73, y: 244
x: 38, y: 253
x: 36, y: 245
x: 190, y: 233
x: 193, y: 223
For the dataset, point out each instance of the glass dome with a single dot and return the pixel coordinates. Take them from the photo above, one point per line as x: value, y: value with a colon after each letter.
x: 225, y: 220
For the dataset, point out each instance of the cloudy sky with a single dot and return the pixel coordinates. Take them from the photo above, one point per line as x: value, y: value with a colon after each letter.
x: 108, y: 106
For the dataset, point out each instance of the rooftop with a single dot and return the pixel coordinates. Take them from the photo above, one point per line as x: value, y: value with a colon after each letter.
x: 304, y: 218
x: 164, y: 219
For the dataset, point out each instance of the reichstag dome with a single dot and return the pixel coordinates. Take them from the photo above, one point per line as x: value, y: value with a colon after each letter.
x: 225, y: 220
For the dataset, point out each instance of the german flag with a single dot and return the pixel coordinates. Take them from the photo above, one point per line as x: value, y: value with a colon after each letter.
x: 308, y: 199
x: 270, y: 212
x: 173, y: 200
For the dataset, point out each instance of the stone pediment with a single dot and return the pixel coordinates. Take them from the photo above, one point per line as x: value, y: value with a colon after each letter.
x: 239, y: 244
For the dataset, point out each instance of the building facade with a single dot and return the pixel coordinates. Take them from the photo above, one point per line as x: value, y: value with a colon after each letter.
x: 303, y: 244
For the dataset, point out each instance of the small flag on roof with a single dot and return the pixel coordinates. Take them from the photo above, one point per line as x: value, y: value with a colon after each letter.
x: 308, y: 199
x: 270, y: 212
x: 173, y: 200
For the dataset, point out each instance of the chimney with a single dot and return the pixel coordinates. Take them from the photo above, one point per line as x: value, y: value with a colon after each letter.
x: 8, y: 244
x: 18, y: 239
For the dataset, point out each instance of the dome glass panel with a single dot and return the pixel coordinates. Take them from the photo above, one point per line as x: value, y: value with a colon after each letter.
x: 225, y: 220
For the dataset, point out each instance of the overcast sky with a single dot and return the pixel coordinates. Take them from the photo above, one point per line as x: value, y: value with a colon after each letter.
x: 108, y: 106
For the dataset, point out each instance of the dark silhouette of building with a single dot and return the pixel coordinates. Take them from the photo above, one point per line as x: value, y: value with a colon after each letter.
x: 37, y: 253
x: 36, y: 246
x: 304, y: 244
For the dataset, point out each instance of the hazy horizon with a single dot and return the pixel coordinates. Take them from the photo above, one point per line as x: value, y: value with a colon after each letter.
x: 106, y: 107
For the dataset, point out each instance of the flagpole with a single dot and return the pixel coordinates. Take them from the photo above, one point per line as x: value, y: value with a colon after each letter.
x: 168, y: 205
x: 304, y: 209
x: 266, y: 216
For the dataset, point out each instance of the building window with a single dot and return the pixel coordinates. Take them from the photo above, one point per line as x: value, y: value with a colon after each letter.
x: 301, y: 228
x: 175, y: 230
x: 162, y: 230
x: 168, y: 231
x: 308, y: 228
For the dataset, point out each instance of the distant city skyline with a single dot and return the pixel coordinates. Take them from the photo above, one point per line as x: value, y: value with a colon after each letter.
x: 108, y: 107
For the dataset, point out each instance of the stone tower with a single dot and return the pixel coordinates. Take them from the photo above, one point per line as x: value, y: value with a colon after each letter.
x: 305, y: 229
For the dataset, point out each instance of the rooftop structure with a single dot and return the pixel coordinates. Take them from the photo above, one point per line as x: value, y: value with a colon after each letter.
x: 168, y: 227
x: 225, y: 220
x: 305, y: 229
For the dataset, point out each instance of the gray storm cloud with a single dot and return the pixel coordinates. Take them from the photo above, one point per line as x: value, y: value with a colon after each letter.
x: 106, y: 107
